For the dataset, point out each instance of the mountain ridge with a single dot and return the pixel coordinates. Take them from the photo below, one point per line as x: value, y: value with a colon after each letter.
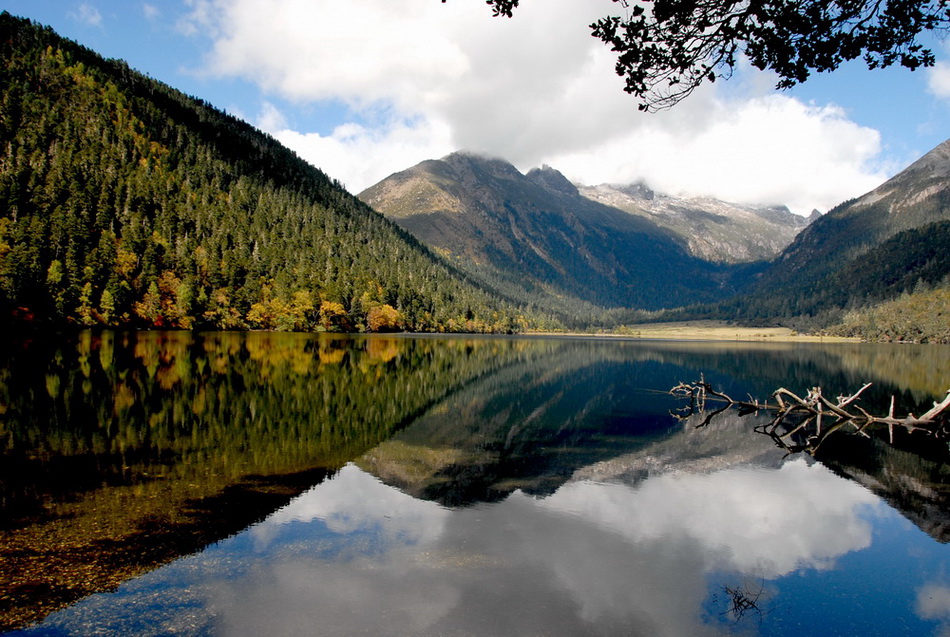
x: 714, y: 230
x: 127, y: 203
x: 874, y: 248
x: 534, y: 234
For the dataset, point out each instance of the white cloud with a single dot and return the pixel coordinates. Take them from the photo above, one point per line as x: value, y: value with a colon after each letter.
x: 270, y: 119
x: 354, y: 500
x: 591, y: 558
x: 87, y: 14
x: 533, y: 89
x: 938, y: 80
x: 360, y: 52
x: 359, y: 156
x: 772, y: 150
x: 150, y: 11
x: 933, y: 602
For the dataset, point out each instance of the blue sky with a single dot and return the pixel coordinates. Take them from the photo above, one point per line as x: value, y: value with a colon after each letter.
x: 364, y: 88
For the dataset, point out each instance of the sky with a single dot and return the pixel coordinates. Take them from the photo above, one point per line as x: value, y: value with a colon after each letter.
x: 365, y: 88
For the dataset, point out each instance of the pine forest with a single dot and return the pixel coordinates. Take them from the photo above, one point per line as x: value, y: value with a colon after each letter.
x: 126, y: 203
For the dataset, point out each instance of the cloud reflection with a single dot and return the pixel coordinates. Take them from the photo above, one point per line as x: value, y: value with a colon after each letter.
x: 356, y: 501
x: 592, y: 558
x: 933, y: 602
x: 756, y: 521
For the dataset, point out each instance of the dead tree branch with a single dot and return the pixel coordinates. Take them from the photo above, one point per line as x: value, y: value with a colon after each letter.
x: 812, y: 418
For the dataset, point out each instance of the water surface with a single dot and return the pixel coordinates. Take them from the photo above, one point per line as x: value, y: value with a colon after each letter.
x: 245, y: 484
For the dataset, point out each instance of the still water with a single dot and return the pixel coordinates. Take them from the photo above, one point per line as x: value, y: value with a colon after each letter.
x: 250, y: 484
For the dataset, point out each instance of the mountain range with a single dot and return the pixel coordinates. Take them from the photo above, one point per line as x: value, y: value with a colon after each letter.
x: 124, y: 202
x: 536, y: 236
x: 890, y: 242
x: 714, y: 230
x: 539, y: 236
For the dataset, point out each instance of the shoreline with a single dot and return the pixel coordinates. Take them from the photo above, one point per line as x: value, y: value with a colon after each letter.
x: 708, y: 331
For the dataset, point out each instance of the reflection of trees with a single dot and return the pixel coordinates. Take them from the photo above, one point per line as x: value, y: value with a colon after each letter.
x: 902, y: 459
x: 804, y: 417
x: 747, y: 601
x: 123, y: 451
x: 912, y: 475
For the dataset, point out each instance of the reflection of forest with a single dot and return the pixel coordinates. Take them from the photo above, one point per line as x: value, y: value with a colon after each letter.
x: 582, y: 418
x: 123, y: 451
x: 918, y: 374
x: 913, y: 475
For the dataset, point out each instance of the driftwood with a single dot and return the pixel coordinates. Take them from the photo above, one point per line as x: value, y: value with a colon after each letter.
x: 802, y: 424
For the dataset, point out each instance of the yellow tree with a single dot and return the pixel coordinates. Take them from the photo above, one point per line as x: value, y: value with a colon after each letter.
x: 383, y: 318
x: 332, y: 317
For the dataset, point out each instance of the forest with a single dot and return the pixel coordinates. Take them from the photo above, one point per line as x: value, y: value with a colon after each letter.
x: 125, y: 203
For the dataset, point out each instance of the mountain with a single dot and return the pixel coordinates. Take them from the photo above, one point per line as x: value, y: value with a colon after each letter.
x: 126, y: 203
x: 534, y: 236
x: 714, y: 230
x: 890, y: 241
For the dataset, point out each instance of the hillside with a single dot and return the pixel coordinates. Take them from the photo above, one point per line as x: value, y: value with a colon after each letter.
x: 126, y: 203
x: 535, y: 236
x: 714, y: 230
x: 872, y: 249
x: 920, y: 316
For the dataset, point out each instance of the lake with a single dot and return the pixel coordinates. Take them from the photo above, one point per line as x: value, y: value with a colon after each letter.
x: 165, y: 483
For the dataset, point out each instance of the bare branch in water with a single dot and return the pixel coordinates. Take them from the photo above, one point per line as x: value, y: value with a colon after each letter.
x: 794, y: 415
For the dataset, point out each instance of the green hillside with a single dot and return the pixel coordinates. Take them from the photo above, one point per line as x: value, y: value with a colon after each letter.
x: 876, y: 248
x: 921, y: 316
x: 126, y: 203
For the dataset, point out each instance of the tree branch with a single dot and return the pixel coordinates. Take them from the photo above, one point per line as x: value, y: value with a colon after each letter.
x: 809, y: 412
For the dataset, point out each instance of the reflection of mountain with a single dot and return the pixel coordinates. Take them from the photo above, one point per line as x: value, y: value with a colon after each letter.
x: 529, y: 427
x: 586, y: 421
x: 913, y: 477
x: 583, y: 416
x: 124, y: 451
x: 912, y: 474
x: 583, y: 408
x: 121, y: 451
x: 726, y: 442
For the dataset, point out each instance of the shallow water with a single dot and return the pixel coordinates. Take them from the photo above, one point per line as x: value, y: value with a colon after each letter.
x: 245, y: 484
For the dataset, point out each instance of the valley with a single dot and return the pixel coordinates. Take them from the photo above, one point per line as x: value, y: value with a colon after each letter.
x: 128, y: 204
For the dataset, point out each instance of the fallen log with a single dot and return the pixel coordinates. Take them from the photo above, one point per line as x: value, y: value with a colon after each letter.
x: 813, y: 416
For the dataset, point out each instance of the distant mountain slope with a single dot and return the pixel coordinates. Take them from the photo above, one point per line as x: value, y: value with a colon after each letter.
x: 866, y: 250
x: 534, y: 236
x: 714, y: 230
x: 125, y: 202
